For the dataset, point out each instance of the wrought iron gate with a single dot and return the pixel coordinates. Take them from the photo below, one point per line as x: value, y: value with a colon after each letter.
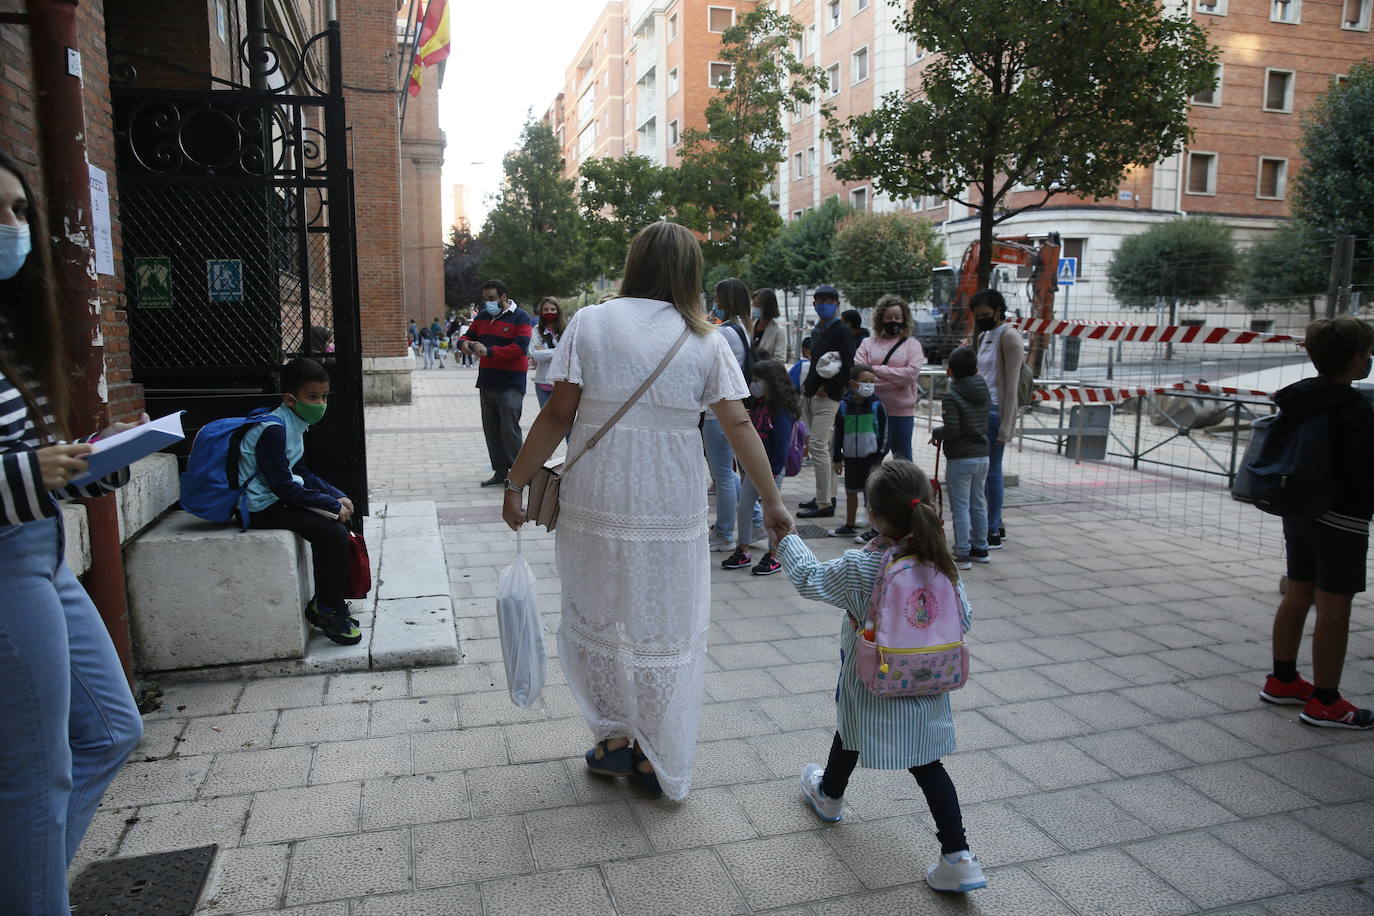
x: 237, y: 215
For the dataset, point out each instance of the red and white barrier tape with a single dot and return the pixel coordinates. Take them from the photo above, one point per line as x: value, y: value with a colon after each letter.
x: 1149, y: 333
x: 1095, y: 395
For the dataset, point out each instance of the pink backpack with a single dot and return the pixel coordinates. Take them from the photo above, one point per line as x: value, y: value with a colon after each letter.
x: 912, y: 643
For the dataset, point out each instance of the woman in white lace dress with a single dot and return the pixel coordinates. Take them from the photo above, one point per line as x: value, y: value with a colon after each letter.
x: 632, y: 537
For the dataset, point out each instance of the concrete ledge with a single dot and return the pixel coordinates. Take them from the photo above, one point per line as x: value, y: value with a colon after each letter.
x: 386, y: 380
x: 154, y: 487
x: 412, y: 632
x: 204, y: 594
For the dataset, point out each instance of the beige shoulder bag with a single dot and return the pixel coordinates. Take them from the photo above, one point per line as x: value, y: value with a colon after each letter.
x: 548, y: 480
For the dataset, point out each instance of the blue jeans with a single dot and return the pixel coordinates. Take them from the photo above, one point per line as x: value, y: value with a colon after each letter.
x: 542, y: 395
x: 994, y: 486
x: 69, y: 721
x: 750, y: 511
x: 720, y: 458
x: 966, y: 481
x: 899, y: 433
x: 429, y: 354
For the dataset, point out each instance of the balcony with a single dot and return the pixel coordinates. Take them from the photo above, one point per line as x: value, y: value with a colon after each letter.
x: 646, y: 56
x: 646, y: 110
x: 643, y: 9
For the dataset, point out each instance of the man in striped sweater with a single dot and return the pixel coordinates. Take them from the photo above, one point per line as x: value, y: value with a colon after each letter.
x: 500, y: 337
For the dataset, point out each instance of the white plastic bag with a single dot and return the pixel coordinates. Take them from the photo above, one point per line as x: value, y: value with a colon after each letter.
x: 522, y: 630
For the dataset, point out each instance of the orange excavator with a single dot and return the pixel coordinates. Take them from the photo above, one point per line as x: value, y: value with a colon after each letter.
x: 1039, y: 253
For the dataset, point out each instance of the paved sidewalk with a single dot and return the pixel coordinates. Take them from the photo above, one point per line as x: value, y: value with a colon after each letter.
x: 1113, y: 755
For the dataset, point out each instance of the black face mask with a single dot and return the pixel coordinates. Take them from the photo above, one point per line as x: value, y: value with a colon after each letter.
x: 892, y: 328
x: 985, y: 324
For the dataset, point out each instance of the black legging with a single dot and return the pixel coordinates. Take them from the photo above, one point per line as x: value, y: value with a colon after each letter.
x: 328, y: 548
x: 933, y: 780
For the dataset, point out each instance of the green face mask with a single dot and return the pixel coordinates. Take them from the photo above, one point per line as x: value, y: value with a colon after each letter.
x: 310, y: 413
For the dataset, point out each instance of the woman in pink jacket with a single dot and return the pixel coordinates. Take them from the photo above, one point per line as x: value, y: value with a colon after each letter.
x: 896, y: 358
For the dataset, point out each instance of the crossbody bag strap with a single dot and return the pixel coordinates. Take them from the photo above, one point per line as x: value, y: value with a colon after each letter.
x: 653, y: 377
x: 888, y: 357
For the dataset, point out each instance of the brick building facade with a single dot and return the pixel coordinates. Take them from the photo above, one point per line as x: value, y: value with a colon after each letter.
x: 1277, y: 56
x: 422, y: 228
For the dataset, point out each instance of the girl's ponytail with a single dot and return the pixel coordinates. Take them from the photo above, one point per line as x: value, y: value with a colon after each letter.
x: 899, y: 492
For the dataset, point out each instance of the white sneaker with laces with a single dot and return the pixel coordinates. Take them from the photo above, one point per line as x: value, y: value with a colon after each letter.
x: 722, y: 545
x: 826, y: 808
x: 958, y: 873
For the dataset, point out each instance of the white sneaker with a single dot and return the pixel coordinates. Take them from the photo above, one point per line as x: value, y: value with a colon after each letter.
x: 963, y: 874
x: 722, y: 545
x: 826, y: 808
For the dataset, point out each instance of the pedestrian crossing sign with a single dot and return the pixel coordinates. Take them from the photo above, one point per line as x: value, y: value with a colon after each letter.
x: 1068, y: 271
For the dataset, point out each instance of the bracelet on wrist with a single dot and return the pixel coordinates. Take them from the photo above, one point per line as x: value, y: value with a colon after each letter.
x: 512, y: 487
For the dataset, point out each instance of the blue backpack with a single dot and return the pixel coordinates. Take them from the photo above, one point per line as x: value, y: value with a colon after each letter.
x: 1292, y: 473
x: 209, y: 487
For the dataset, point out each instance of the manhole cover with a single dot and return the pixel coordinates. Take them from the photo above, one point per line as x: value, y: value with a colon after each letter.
x: 164, y: 884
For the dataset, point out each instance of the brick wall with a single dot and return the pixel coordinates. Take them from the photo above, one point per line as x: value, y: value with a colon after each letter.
x: 20, y: 131
x: 369, y: 62
x: 422, y: 230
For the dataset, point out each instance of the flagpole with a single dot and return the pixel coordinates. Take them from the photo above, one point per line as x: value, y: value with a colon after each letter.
x: 412, y: 22
x: 408, y: 59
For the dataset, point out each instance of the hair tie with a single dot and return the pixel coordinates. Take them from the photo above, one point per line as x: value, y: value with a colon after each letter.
x: 915, y: 503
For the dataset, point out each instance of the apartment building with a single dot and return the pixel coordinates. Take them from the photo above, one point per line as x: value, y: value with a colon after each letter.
x: 588, y: 116
x: 1277, y: 56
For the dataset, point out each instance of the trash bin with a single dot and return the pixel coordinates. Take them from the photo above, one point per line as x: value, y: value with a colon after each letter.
x: 1072, y: 347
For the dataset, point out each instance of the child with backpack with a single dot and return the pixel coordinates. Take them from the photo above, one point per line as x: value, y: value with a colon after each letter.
x: 1326, y: 429
x: 901, y: 590
x: 964, y: 437
x: 776, y: 412
x: 283, y: 493
x: 860, y: 443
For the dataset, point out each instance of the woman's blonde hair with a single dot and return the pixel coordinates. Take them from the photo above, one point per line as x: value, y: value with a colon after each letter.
x: 880, y: 311
x: 665, y: 263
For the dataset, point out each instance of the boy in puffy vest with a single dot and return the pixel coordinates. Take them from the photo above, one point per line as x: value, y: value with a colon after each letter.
x: 286, y: 494
x: 1326, y: 552
x: 860, y: 441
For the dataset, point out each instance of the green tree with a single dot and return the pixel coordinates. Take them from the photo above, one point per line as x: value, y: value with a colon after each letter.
x: 464, y: 255
x: 1334, y: 191
x: 1288, y: 267
x: 800, y: 255
x: 726, y: 168
x: 534, y: 234
x: 1182, y: 261
x: 1059, y: 99
x: 619, y: 197
x: 878, y: 253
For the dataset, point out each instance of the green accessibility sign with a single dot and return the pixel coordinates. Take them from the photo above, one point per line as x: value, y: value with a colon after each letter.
x: 153, y: 282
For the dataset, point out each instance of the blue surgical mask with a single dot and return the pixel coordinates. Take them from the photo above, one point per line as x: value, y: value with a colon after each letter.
x: 717, y: 313
x: 826, y: 310
x: 756, y: 313
x: 15, y: 245
x: 493, y: 308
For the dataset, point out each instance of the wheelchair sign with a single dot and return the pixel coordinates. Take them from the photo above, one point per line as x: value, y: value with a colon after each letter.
x: 225, y: 279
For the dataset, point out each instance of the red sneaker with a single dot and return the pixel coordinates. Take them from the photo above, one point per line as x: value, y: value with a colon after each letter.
x: 1294, y: 693
x: 1340, y: 714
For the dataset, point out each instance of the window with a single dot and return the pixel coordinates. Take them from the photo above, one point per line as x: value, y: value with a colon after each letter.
x: 1289, y: 11
x: 672, y: 81
x: 860, y: 5
x: 672, y: 133
x: 799, y: 48
x: 720, y: 76
x: 1074, y: 248
x: 672, y: 27
x: 1211, y: 96
x: 1278, y: 90
x: 832, y: 80
x: 1202, y: 173
x: 796, y: 214
x: 798, y: 167
x: 1213, y: 7
x: 222, y: 20
x: 831, y: 154
x: 858, y: 67
x: 586, y: 141
x: 719, y: 18
x: 1273, y: 178
x: 810, y: 160
x: 1355, y: 15
x: 858, y: 198
x: 832, y: 15
x: 914, y: 53
x: 811, y: 42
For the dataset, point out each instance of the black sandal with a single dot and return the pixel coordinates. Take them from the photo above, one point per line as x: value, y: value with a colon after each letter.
x: 646, y: 781
x: 618, y: 762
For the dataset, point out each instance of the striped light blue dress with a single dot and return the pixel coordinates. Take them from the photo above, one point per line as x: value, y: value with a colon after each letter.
x: 890, y: 733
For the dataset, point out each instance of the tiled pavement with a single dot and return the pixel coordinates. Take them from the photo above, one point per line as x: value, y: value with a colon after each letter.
x: 1113, y: 757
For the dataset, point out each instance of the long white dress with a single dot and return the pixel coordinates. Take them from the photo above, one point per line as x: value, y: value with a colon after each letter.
x: 631, y: 539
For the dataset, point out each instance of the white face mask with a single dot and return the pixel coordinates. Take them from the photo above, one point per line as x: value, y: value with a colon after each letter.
x: 15, y: 245
x: 865, y: 389
x: 757, y: 389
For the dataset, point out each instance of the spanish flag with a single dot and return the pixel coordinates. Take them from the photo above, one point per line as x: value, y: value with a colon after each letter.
x: 432, y: 45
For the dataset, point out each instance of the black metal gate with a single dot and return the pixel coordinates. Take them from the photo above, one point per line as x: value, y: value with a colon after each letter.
x: 237, y: 215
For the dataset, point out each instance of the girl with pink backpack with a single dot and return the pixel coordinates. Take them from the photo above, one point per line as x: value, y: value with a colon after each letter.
x: 901, y: 652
